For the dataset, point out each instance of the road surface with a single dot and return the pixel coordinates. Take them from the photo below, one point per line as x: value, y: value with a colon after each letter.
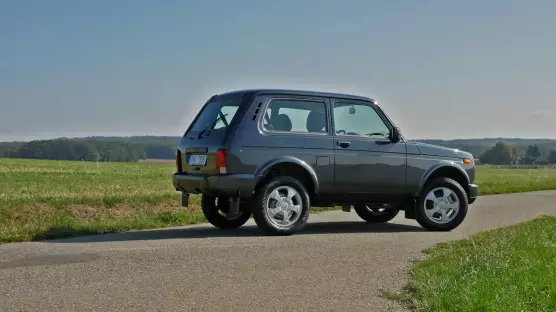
x: 338, y: 263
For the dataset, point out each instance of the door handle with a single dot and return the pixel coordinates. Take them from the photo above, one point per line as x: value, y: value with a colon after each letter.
x: 344, y: 144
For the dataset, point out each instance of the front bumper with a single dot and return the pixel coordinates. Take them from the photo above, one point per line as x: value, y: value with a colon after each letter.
x: 473, y: 191
x: 231, y: 185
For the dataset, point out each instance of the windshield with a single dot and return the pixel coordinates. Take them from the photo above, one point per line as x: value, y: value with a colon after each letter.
x: 225, y: 110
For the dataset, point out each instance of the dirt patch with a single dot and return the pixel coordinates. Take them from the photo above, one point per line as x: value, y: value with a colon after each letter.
x: 84, y: 213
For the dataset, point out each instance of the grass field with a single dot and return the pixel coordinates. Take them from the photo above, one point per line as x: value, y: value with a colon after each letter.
x: 50, y: 199
x: 501, y: 181
x: 507, y: 269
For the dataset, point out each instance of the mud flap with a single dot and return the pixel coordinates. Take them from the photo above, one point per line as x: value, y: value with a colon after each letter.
x: 184, y: 200
x: 410, y: 210
x: 346, y: 208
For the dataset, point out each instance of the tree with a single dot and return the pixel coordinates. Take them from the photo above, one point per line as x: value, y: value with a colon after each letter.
x: 533, y: 151
x: 499, y: 154
x: 552, y: 157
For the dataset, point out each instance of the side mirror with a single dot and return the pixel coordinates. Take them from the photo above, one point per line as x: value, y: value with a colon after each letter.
x: 396, y: 135
x: 352, y: 110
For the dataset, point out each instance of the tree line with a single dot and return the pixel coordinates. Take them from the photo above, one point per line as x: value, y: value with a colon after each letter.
x: 504, y: 154
x: 91, y: 149
x: 501, y: 151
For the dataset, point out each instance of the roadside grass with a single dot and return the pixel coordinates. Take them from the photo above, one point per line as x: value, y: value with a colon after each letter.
x: 46, y: 199
x: 507, y: 269
x: 492, y: 180
x: 43, y: 199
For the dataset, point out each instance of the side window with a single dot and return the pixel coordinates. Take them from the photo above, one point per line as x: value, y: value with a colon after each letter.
x: 358, y: 119
x: 295, y: 116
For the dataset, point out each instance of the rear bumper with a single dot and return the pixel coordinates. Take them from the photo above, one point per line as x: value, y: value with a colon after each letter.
x: 230, y: 185
x: 473, y: 191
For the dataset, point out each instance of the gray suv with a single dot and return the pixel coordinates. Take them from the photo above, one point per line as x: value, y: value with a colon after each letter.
x: 272, y: 154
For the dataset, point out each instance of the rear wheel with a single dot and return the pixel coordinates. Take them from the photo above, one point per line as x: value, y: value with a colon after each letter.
x: 442, y: 205
x: 376, y: 213
x: 281, y: 206
x: 217, y: 212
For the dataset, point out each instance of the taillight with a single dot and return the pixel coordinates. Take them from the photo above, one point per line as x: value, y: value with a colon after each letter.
x: 178, y: 161
x: 221, y: 167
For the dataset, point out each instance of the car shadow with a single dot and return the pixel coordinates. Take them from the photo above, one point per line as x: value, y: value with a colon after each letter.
x: 208, y: 231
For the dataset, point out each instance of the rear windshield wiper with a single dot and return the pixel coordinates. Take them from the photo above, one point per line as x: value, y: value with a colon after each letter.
x: 221, y: 117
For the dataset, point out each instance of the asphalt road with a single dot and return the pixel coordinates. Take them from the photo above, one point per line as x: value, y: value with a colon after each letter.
x: 338, y: 263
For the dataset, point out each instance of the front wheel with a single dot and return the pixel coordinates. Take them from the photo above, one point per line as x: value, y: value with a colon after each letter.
x: 376, y: 213
x: 442, y: 205
x: 281, y: 206
x: 218, y: 214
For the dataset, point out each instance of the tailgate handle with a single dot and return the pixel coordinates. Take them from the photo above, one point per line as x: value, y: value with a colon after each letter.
x: 196, y: 150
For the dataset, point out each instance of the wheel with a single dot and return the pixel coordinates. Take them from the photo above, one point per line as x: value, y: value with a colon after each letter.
x: 442, y: 205
x: 376, y: 213
x: 218, y: 214
x: 281, y: 206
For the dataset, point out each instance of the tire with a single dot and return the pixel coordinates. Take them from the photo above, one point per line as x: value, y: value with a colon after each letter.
x: 272, y: 225
x: 212, y: 213
x: 429, y: 219
x: 372, y: 214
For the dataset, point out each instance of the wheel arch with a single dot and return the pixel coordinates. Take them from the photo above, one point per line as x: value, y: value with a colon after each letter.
x: 451, y: 171
x: 290, y: 166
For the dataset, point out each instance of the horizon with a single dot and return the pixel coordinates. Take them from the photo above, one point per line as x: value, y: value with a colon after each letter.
x: 179, y: 136
x: 441, y: 69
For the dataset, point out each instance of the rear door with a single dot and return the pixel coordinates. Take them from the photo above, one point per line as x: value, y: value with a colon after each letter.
x: 367, y: 163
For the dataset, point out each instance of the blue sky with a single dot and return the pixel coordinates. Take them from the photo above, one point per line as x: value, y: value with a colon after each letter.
x: 441, y: 69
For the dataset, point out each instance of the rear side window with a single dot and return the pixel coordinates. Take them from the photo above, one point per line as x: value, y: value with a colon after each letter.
x: 216, y: 115
x: 296, y: 116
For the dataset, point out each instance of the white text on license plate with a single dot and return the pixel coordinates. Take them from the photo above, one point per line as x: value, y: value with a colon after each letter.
x: 197, y: 160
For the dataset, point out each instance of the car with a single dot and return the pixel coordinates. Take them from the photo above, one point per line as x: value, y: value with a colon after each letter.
x: 272, y: 154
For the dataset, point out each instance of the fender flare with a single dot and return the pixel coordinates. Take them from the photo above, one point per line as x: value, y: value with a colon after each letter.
x: 264, y: 169
x: 426, y: 176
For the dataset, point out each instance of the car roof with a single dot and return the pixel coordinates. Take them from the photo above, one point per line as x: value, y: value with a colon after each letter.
x: 295, y: 92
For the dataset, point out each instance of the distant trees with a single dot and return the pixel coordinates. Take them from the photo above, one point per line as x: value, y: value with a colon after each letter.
x: 552, y: 157
x: 504, y: 154
x: 90, y: 150
x: 127, y: 149
x: 533, y: 151
x: 499, y: 154
x: 160, y: 151
x: 7, y: 148
x: 531, y: 155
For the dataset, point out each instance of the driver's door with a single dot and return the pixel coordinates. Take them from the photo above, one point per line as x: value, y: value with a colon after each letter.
x: 367, y: 163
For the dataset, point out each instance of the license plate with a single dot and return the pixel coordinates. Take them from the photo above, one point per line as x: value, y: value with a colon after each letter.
x: 197, y: 160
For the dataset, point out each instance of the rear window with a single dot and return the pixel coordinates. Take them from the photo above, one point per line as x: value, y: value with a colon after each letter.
x: 224, y: 111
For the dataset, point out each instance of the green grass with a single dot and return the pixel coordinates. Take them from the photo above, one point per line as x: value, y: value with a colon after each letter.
x: 42, y: 199
x: 507, y: 269
x: 50, y: 199
x: 502, y: 181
